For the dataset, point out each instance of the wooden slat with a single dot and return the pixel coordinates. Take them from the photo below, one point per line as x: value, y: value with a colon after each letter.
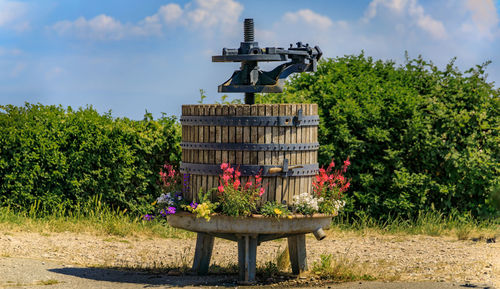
x: 208, y: 184
x: 305, y: 158
x: 201, y: 179
x: 232, y: 136
x: 246, y: 139
x: 315, y: 133
x: 269, y: 156
x: 288, y: 130
x: 254, y: 136
x: 299, y: 156
x: 218, y: 154
x: 239, y: 136
x: 196, y: 157
x: 183, y: 134
x: 275, y: 155
x: 281, y: 155
x: 225, y: 135
x: 261, y: 138
x: 293, y: 155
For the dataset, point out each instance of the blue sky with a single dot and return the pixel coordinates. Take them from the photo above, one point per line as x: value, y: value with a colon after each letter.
x: 131, y: 56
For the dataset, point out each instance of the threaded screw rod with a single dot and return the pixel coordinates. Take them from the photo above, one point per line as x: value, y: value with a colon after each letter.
x: 249, y: 36
x: 248, y: 30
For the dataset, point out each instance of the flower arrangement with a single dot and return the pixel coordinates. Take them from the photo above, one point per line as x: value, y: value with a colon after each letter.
x: 240, y: 196
x: 329, y: 185
x: 204, y: 208
x: 170, y: 199
x: 235, y: 199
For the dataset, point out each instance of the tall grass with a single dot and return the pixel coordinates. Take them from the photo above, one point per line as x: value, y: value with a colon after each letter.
x: 96, y: 217
x: 93, y: 217
x: 429, y: 223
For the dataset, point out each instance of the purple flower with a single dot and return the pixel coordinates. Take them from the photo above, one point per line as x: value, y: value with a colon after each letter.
x: 148, y: 217
x: 163, y: 213
x: 171, y: 210
x: 193, y: 205
x: 185, y: 183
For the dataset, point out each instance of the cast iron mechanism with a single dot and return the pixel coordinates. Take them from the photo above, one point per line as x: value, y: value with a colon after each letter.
x: 250, y: 79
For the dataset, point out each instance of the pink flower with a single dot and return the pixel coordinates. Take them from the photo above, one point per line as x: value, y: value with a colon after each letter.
x: 261, y: 192
x: 345, y: 187
x: 237, y: 174
x: 224, y: 166
x: 331, y: 166
x: 226, y: 178
x: 236, y: 184
x: 258, y: 180
x: 230, y: 171
x: 346, y: 164
x: 220, y: 188
x: 248, y: 185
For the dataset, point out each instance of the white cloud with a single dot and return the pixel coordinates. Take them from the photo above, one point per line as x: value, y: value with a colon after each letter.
x: 483, y: 19
x: 207, y: 15
x: 309, y: 17
x: 12, y: 14
x: 170, y: 13
x: 101, y: 27
x: 409, y: 8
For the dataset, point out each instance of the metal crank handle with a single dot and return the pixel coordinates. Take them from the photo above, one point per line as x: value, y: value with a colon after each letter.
x: 279, y: 170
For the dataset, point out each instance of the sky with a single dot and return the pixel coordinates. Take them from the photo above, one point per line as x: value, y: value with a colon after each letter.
x: 129, y: 57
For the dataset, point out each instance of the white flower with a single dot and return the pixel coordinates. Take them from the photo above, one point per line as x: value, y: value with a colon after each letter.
x: 165, y: 199
x: 306, y: 202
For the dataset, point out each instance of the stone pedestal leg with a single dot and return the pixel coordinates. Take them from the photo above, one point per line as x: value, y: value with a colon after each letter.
x: 202, y: 254
x: 247, y: 257
x: 297, y: 250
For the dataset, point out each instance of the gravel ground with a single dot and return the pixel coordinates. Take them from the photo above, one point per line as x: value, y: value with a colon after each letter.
x: 391, y: 258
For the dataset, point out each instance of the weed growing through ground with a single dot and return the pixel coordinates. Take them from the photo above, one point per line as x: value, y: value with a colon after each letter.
x: 339, y: 269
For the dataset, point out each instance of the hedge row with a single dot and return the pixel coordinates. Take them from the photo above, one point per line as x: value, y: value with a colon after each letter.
x: 419, y: 138
x: 62, y: 156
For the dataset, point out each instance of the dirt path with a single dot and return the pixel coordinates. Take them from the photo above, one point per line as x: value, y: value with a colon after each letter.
x: 393, y: 258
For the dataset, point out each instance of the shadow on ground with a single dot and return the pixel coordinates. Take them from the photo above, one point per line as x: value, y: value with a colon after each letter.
x: 153, y: 279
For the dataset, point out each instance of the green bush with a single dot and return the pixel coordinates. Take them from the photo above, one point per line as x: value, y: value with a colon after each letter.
x: 419, y: 138
x: 58, y: 157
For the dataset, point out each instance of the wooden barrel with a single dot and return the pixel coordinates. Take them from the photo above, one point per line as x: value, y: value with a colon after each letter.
x: 255, y: 138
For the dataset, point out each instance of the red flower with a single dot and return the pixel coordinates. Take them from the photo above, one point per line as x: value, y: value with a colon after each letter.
x: 226, y: 178
x: 330, y: 166
x: 261, y: 192
x: 221, y: 188
x: 224, y: 166
x: 346, y: 164
x: 236, y: 184
x: 248, y: 185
